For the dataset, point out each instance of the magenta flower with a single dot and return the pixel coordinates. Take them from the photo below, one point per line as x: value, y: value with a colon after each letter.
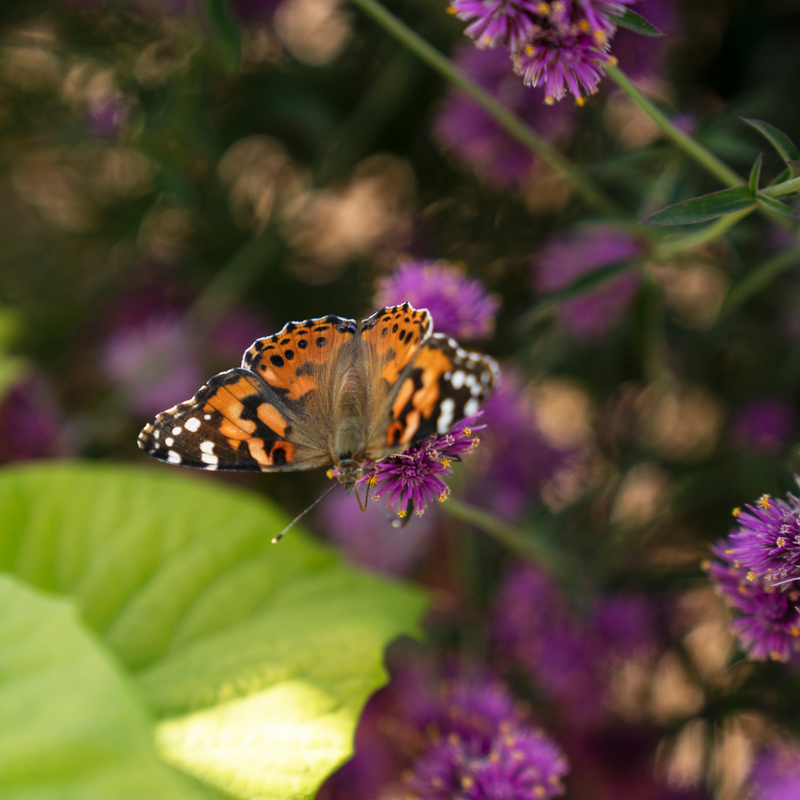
x: 764, y: 424
x: 30, y: 424
x: 776, y: 773
x: 567, y: 257
x: 508, y: 23
x: 413, y: 478
x: 460, y: 305
x: 524, y: 765
x: 570, y: 659
x: 768, y: 622
x: 767, y: 540
x: 474, y: 137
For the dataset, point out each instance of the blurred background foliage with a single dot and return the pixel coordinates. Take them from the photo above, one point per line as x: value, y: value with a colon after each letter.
x: 177, y: 179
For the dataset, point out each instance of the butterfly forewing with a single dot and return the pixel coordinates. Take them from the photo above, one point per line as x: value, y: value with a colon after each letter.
x: 234, y: 422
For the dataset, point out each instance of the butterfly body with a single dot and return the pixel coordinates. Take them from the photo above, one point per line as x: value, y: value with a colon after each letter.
x: 323, y: 392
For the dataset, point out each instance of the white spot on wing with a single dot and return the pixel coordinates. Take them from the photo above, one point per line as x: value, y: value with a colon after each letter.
x: 192, y: 424
x: 445, y: 415
x: 206, y: 416
x: 471, y: 407
x: 173, y: 457
x: 457, y: 381
x: 169, y: 441
x: 176, y: 430
x: 207, y: 447
x: 207, y: 458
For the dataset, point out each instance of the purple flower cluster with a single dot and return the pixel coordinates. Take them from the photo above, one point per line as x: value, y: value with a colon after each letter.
x: 463, y: 738
x: 776, y: 773
x: 570, y: 658
x: 567, y: 257
x: 768, y: 620
x: 414, y: 477
x: 562, y: 45
x: 30, y: 425
x: 460, y: 305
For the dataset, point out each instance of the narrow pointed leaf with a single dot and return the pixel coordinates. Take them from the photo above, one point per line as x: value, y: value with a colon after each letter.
x: 71, y: 724
x: 633, y: 22
x: 786, y: 148
x: 776, y: 205
x: 755, y: 175
x: 700, y: 209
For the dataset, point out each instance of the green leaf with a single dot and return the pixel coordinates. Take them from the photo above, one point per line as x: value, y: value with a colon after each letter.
x: 755, y: 175
x: 700, y: 209
x: 72, y: 727
x: 786, y: 148
x: 776, y: 205
x: 226, y: 30
x: 632, y: 21
x: 261, y: 655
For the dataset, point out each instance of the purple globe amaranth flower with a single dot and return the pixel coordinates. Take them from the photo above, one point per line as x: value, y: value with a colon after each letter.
x: 567, y: 257
x: 414, y: 477
x: 569, y: 658
x: 768, y: 624
x: 460, y: 305
x: 776, y: 773
x: 508, y: 23
x: 30, y: 424
x: 764, y: 424
x: 523, y: 765
x: 476, y: 139
x: 767, y: 540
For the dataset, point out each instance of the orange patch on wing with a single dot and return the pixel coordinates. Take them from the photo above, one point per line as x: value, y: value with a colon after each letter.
x: 403, y: 396
x: 412, y: 426
x: 288, y: 452
x: 393, y: 433
x: 256, y: 448
x: 434, y: 363
x: 272, y: 418
x: 242, y: 429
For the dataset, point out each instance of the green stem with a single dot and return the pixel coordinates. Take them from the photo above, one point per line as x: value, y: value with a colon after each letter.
x: 680, y: 244
x: 758, y: 278
x: 689, y: 146
x: 526, y: 545
x: 505, y: 118
x: 787, y: 187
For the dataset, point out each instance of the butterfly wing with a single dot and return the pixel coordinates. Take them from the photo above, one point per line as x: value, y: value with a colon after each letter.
x: 441, y: 384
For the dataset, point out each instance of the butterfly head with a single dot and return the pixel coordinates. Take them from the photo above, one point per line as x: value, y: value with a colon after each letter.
x: 349, y: 473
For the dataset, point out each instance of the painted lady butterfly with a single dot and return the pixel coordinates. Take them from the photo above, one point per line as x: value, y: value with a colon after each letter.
x: 327, y: 391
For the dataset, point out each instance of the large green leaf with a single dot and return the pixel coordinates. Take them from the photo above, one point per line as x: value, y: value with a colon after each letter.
x: 71, y: 725
x: 709, y: 206
x: 258, y: 656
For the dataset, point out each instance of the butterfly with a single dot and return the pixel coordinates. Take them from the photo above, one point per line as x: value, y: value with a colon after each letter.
x: 327, y: 391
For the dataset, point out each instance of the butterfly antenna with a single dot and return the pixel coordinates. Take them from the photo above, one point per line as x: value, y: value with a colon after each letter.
x: 302, y: 514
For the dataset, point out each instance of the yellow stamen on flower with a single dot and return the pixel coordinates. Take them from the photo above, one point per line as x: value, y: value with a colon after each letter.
x: 452, y: 10
x: 442, y: 497
x: 751, y: 576
x: 484, y: 42
x: 373, y: 479
x: 583, y: 25
x: 467, y: 783
x: 529, y: 50
x: 736, y: 511
x: 601, y: 38
x: 781, y: 542
x: 402, y: 513
x: 543, y: 8
x: 330, y: 473
x: 548, y: 101
x: 467, y: 431
x: 763, y: 501
x: 794, y: 631
x: 580, y: 102
x: 613, y: 61
x: 446, y: 463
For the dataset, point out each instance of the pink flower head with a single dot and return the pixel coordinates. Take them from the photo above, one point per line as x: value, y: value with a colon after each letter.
x: 508, y: 23
x: 776, y: 773
x: 460, y: 305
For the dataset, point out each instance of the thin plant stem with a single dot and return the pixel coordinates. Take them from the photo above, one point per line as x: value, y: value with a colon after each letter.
x: 781, y: 189
x: 758, y: 278
x: 524, y: 544
x: 689, y: 146
x: 582, y: 184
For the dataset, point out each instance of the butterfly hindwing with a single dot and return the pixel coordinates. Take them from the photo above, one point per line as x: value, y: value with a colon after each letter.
x: 441, y: 385
x: 234, y: 422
